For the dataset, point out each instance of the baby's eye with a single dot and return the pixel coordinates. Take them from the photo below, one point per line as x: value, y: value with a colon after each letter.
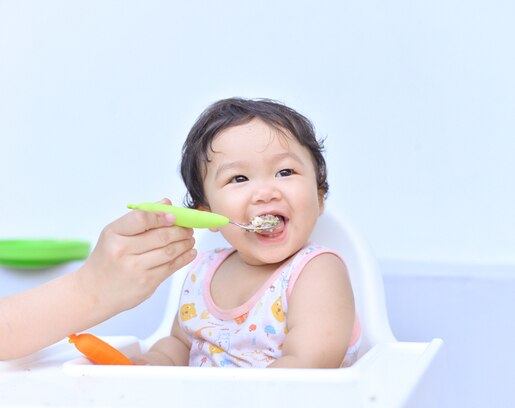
x: 238, y: 179
x: 284, y: 173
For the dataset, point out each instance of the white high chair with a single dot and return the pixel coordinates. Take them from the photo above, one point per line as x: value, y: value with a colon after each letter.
x: 388, y: 373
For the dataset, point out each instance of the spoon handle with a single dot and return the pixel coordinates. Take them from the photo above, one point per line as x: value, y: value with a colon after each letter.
x: 185, y: 217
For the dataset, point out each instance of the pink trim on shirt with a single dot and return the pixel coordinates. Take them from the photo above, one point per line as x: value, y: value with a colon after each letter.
x: 300, y: 267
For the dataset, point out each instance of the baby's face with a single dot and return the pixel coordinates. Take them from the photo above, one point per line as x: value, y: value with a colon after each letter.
x: 256, y: 170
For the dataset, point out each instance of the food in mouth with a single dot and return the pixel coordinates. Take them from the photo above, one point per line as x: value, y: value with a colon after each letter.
x: 265, y: 222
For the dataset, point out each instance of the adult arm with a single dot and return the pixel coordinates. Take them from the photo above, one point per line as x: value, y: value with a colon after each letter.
x: 133, y: 256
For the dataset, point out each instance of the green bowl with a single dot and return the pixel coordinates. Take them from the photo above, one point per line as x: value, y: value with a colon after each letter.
x: 41, y: 253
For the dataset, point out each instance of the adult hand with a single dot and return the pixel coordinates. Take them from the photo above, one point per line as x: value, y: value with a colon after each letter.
x: 133, y: 256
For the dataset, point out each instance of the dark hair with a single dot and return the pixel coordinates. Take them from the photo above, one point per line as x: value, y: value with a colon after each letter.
x: 231, y: 112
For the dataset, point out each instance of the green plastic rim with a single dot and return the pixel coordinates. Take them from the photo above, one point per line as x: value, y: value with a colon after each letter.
x: 41, y: 253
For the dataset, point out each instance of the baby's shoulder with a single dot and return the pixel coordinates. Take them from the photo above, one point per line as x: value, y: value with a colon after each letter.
x: 314, y: 263
x: 325, y: 261
x: 212, y: 255
x: 314, y: 255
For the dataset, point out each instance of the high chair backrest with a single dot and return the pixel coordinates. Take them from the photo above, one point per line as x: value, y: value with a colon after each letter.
x: 334, y: 231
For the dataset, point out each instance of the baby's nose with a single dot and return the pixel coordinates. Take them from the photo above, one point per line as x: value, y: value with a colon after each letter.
x: 266, y: 192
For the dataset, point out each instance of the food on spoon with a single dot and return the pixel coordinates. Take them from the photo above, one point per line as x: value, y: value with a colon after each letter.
x: 265, y: 222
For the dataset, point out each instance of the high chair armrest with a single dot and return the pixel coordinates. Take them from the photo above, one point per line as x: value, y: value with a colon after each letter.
x: 400, y: 374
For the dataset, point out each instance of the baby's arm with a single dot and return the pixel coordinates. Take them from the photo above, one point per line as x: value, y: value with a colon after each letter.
x: 173, y: 350
x: 320, y: 316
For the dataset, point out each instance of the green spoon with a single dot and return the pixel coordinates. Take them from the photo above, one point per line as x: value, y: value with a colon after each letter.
x: 185, y: 217
x: 190, y: 218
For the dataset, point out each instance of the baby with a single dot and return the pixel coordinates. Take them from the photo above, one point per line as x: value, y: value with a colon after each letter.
x: 273, y: 299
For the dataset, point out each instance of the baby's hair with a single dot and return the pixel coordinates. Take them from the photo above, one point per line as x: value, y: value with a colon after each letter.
x: 231, y: 112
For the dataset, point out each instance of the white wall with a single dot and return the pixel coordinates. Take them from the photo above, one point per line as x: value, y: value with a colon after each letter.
x: 416, y: 100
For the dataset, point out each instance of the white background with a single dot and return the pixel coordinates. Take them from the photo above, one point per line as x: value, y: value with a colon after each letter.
x: 416, y: 99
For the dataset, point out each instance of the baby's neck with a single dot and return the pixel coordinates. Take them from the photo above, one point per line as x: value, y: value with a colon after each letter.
x: 236, y: 281
x: 235, y: 261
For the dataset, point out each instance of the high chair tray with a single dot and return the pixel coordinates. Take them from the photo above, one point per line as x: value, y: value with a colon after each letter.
x: 60, y: 377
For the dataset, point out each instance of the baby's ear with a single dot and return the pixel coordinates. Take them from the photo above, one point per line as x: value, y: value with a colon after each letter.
x: 206, y: 208
x: 321, y: 202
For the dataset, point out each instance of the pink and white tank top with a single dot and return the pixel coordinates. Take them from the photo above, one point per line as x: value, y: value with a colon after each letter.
x: 251, y: 335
